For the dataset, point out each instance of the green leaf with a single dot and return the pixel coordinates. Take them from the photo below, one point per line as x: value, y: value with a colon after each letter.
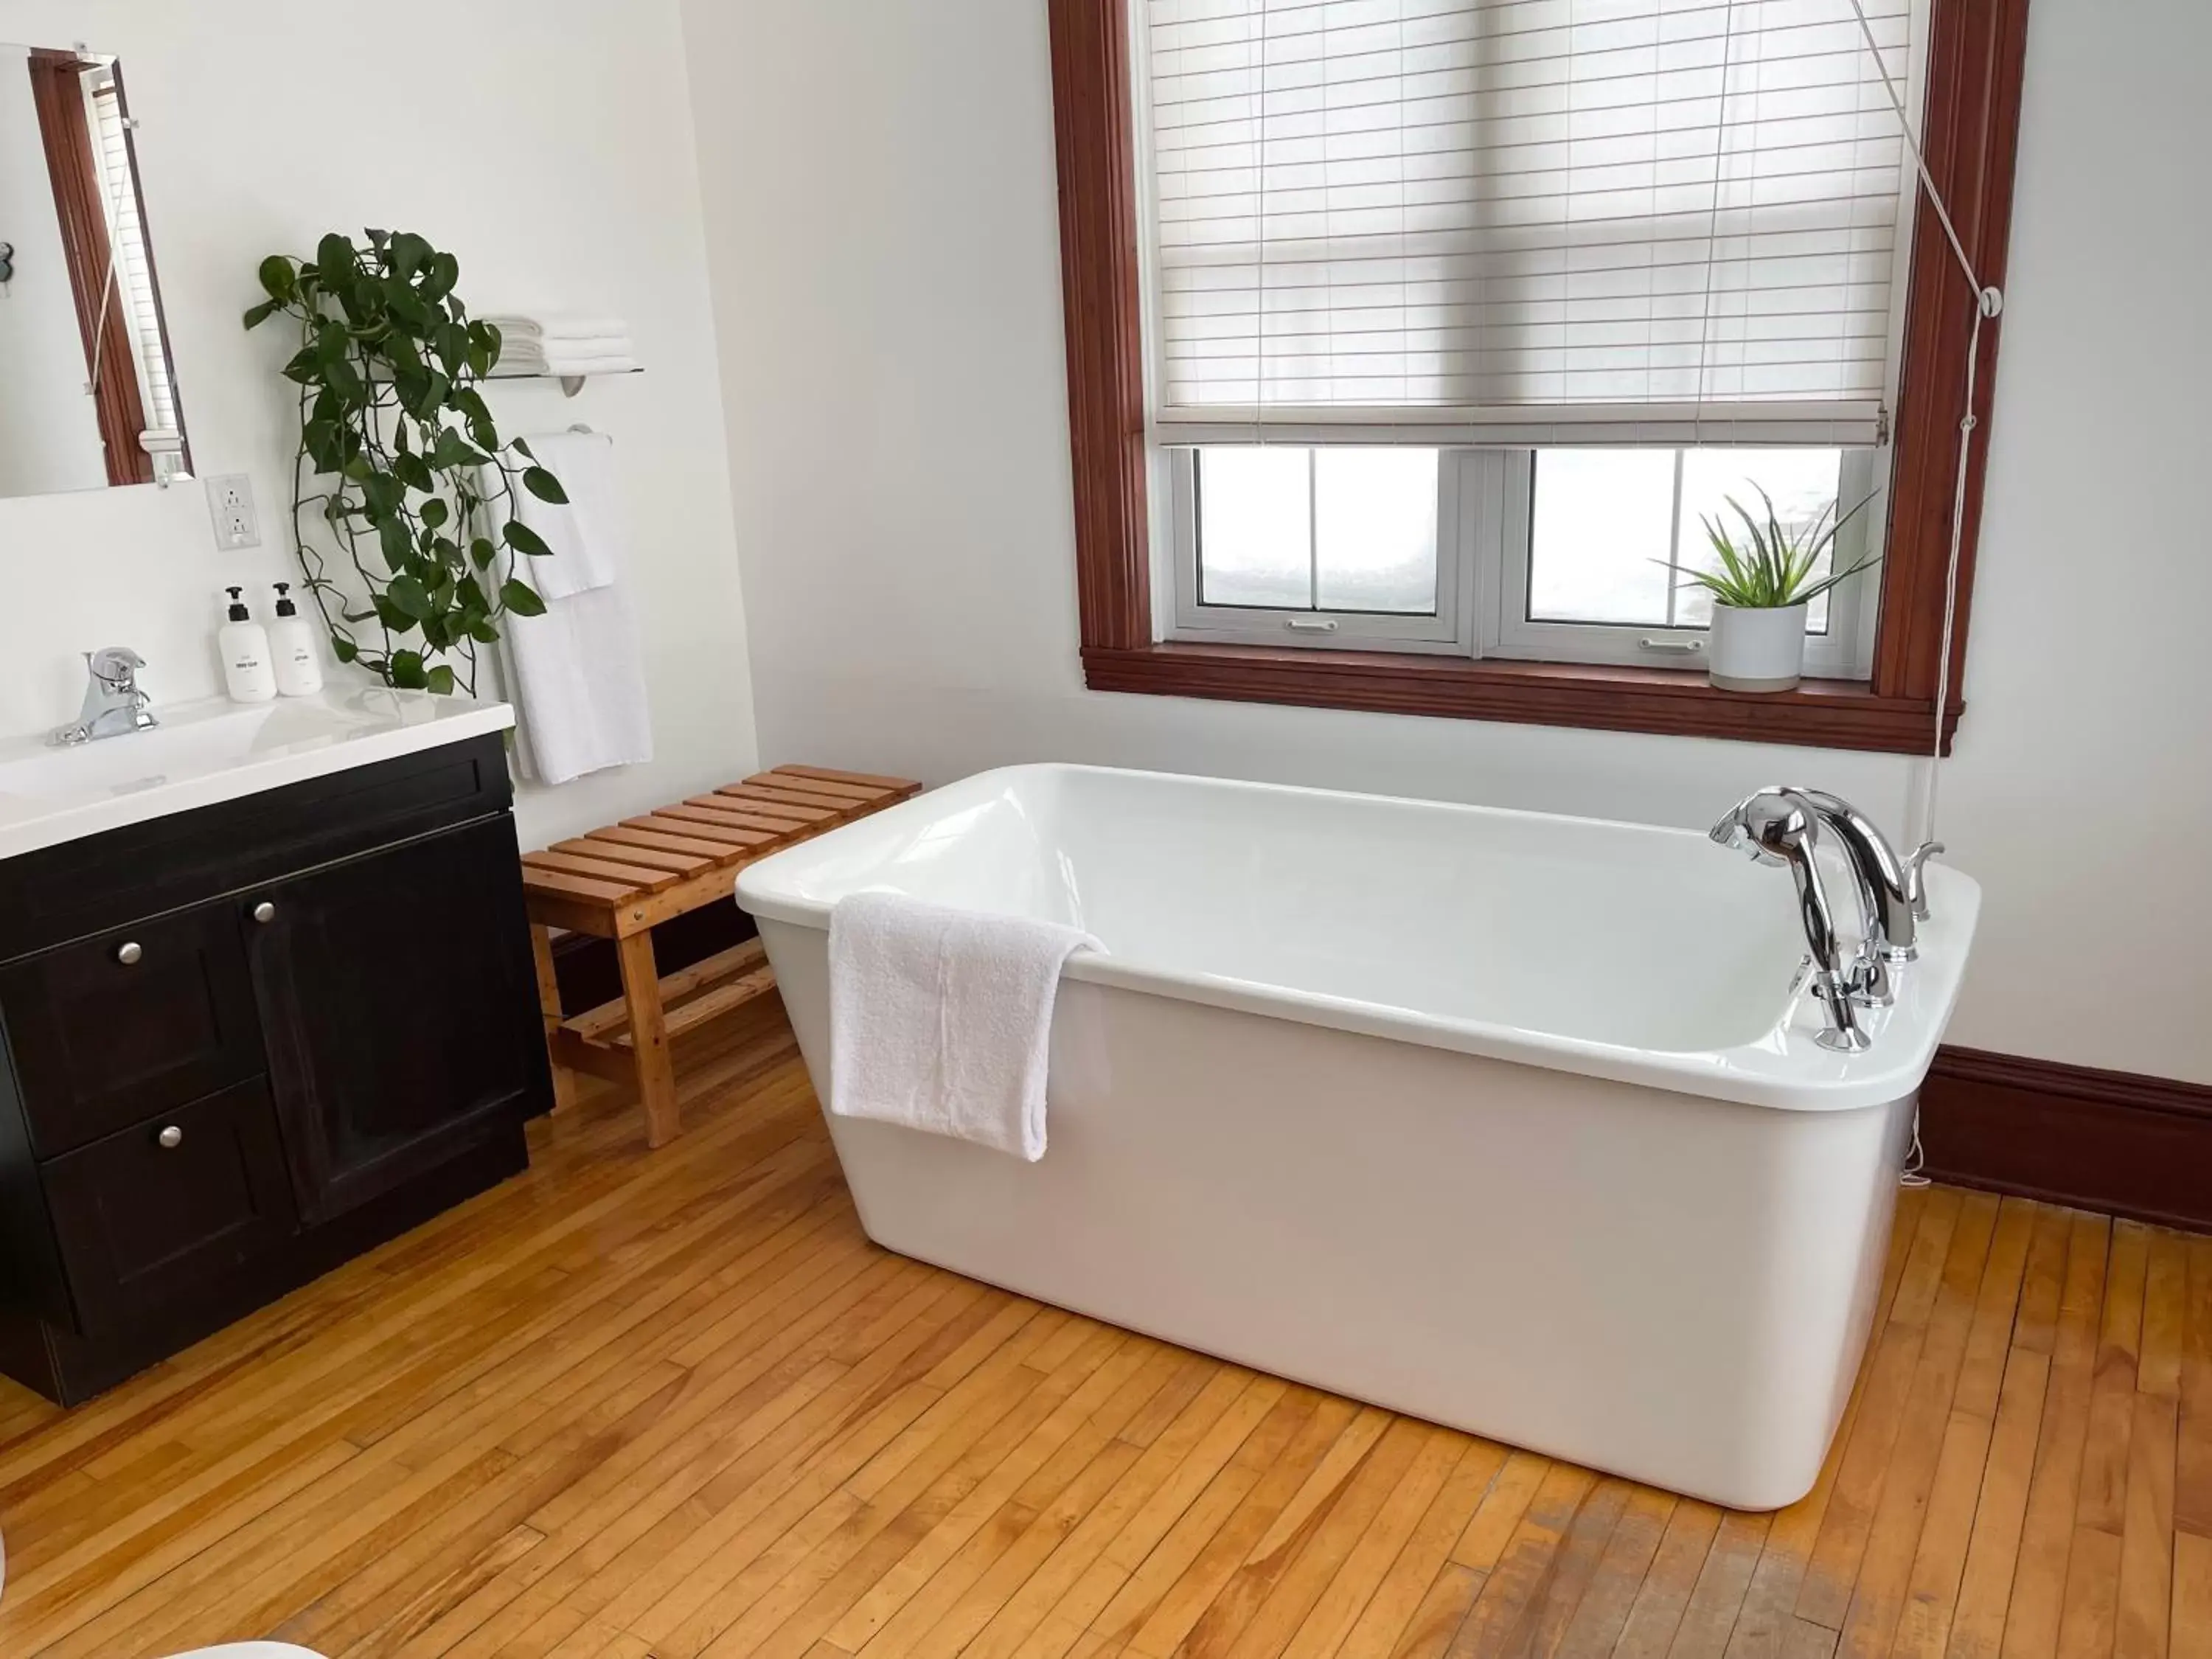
x: 432, y: 512
x: 522, y: 448
x: 392, y: 539
x: 411, y: 598
x: 407, y: 671
x: 524, y: 540
x: 521, y: 597
x: 544, y: 485
x: 278, y: 280
x: 438, y: 282
x: 335, y: 257
x: 440, y: 680
x: 256, y: 315
x: 482, y: 553
x: 409, y: 253
x: 344, y: 649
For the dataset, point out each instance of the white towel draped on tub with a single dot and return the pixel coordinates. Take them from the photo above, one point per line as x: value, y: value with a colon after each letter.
x: 577, y: 674
x: 941, y: 1019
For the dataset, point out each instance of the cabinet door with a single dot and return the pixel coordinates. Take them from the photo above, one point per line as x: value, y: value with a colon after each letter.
x: 158, y: 1215
x: 399, y: 1007
x: 111, y: 1029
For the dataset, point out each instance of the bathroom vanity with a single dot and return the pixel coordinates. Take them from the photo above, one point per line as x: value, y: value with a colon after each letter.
x: 268, y: 1000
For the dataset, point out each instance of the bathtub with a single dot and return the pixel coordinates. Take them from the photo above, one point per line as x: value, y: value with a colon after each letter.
x: 1509, y: 1122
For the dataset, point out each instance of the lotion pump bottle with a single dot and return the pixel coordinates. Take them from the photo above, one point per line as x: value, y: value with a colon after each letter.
x: 292, y: 649
x: 245, y: 647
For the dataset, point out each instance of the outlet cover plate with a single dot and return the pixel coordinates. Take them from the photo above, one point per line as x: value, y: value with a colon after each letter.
x: 230, y: 507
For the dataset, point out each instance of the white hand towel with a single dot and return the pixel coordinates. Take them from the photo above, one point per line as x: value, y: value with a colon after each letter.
x: 941, y: 1019
x: 589, y: 536
x: 577, y: 673
x: 577, y: 678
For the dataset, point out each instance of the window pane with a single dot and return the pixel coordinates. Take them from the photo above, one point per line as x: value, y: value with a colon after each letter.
x: 1255, y: 529
x: 1599, y: 532
x: 1375, y: 522
x: 1802, y: 482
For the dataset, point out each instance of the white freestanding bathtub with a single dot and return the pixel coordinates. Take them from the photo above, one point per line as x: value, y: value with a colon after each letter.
x: 1510, y: 1121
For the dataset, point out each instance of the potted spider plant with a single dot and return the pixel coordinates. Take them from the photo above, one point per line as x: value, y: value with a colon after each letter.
x: 1762, y: 581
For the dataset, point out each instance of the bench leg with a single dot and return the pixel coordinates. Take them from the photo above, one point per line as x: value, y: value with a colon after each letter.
x: 648, y: 1034
x: 549, y: 1005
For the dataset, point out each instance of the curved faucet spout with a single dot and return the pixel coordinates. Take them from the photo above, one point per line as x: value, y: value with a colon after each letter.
x: 1781, y: 826
x: 1889, y: 895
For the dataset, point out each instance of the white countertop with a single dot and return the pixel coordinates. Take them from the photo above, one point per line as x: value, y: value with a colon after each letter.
x: 203, y: 753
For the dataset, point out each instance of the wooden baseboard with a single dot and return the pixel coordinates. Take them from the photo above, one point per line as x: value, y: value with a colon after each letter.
x: 2114, y: 1141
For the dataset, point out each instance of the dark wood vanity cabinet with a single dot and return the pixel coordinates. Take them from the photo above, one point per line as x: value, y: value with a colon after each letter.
x: 320, y: 1029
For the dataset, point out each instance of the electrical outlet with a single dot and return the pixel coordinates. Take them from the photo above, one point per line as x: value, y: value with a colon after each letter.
x: 230, y: 504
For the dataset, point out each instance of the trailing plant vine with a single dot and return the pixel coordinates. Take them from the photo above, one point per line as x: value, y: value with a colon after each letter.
x: 400, y: 467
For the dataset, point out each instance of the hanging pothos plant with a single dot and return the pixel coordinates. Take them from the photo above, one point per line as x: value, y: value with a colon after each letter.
x: 401, y: 469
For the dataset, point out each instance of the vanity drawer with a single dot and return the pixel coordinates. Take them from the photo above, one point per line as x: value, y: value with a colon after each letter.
x: 111, y: 1029
x: 154, y: 1216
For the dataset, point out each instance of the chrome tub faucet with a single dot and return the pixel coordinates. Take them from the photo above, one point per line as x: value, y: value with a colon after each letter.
x: 114, y: 702
x: 1782, y: 825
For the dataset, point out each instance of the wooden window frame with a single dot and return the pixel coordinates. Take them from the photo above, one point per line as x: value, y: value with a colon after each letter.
x: 1977, y: 53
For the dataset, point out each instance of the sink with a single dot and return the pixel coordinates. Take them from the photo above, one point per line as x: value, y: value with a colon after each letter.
x: 215, y: 750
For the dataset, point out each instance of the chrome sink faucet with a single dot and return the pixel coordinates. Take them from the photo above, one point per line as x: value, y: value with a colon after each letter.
x: 113, y: 701
x: 1782, y: 825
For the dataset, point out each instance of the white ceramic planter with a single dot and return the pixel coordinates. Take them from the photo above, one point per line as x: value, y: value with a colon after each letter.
x: 1756, y: 650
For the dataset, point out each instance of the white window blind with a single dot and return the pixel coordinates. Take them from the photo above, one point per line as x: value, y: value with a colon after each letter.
x: 1523, y: 221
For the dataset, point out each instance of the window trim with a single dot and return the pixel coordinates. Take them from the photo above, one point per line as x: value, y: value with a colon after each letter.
x: 1975, y: 60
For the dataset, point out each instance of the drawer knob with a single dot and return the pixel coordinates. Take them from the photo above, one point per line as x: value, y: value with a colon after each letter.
x: 264, y: 912
x: 171, y: 1138
x: 128, y: 952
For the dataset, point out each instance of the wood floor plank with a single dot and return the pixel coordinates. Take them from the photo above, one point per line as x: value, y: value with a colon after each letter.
x: 676, y: 1406
x: 2046, y: 1544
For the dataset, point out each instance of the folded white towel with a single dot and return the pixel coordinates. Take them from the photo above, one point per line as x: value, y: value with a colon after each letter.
x: 941, y: 1019
x: 589, y: 536
x: 558, y: 327
x: 563, y: 362
x: 560, y: 360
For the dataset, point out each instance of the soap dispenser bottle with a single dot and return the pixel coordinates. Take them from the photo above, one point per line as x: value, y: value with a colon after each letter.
x: 292, y: 649
x: 245, y: 647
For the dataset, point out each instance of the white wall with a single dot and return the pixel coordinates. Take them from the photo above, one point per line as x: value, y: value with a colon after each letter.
x: 881, y: 217
x: 49, y: 426
x: 549, y: 144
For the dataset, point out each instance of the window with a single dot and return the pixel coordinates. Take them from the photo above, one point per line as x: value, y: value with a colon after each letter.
x: 1410, y: 341
x: 1554, y: 555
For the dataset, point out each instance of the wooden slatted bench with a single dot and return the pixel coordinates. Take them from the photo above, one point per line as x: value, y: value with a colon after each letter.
x: 616, y: 882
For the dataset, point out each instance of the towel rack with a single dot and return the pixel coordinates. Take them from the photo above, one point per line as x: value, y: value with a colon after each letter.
x: 570, y: 384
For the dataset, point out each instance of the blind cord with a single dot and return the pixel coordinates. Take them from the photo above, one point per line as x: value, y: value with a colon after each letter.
x: 1989, y: 302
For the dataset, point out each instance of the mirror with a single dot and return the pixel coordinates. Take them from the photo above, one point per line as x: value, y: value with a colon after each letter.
x: 88, y: 391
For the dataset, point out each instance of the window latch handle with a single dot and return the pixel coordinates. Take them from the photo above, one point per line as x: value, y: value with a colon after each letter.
x: 1673, y: 647
x: 1311, y: 624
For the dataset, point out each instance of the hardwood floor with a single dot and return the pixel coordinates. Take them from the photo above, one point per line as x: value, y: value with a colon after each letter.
x: 675, y: 1405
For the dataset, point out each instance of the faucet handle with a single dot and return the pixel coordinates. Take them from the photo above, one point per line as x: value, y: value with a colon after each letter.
x: 1916, y: 882
x: 118, y: 664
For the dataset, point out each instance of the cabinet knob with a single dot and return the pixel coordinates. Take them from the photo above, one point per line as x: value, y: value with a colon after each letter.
x: 128, y: 952
x: 264, y: 912
x: 171, y: 1138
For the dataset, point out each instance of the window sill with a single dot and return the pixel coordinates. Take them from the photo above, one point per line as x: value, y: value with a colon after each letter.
x: 1819, y: 714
